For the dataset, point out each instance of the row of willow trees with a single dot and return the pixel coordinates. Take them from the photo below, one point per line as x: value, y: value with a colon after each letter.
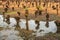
x: 26, y: 15
x: 25, y: 35
x: 17, y: 18
x: 39, y: 1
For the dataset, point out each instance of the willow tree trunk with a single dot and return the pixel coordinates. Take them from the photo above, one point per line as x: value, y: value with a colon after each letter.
x: 17, y: 25
x: 26, y: 15
x: 47, y: 20
x: 59, y: 4
x: 47, y: 5
x: 57, y: 9
x: 4, y: 16
x: 39, y: 3
x: 27, y: 28
x: 50, y: 3
x: 37, y: 22
x: 8, y: 19
x: 36, y: 4
x: 47, y: 23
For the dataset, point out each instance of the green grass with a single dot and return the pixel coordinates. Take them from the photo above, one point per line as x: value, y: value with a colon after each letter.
x: 13, y: 12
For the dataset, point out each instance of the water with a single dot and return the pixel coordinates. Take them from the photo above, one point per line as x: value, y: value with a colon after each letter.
x: 12, y: 33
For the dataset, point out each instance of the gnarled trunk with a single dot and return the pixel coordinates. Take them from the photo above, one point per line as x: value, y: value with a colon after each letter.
x: 37, y: 22
x: 8, y: 19
x: 47, y: 20
x: 17, y: 25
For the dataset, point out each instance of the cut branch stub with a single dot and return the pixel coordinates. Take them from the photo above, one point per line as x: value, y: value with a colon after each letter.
x: 18, y: 13
x: 12, y: 8
x: 26, y: 13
